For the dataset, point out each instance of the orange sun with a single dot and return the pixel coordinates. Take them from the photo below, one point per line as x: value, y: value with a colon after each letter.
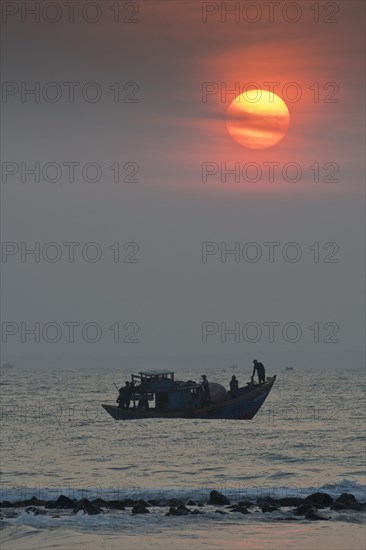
x: 257, y: 119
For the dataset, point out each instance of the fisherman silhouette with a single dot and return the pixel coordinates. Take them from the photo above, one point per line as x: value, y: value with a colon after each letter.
x: 205, y: 389
x: 124, y: 397
x: 234, y: 386
x: 259, y: 367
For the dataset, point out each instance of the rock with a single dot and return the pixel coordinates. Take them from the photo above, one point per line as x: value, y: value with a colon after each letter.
x: 154, y: 502
x: 64, y: 502
x: 35, y: 511
x: 289, y: 501
x: 245, y: 503
x: 143, y: 502
x: 263, y: 501
x: 322, y: 500
x: 50, y: 504
x: 314, y: 516
x: 240, y: 509
x: 268, y: 508
x: 220, y: 512
x: 243, y: 510
x: 28, y: 502
x: 100, y: 502
x: 116, y: 505
x: 129, y: 502
x: 217, y: 498
x: 140, y: 509
x: 6, y: 504
x: 162, y: 502
x: 87, y: 507
x: 10, y: 515
x: 347, y: 502
x: 303, y: 509
x: 175, y: 502
x: 181, y: 511
x: 34, y: 501
x: 191, y: 503
x: 197, y: 512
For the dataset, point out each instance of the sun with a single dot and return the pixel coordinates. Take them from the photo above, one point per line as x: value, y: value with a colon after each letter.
x: 258, y: 119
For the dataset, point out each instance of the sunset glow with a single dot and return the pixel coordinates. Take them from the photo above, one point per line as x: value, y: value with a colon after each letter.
x: 257, y: 119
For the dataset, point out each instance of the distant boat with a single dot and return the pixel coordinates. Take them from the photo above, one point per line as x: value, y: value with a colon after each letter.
x: 289, y: 368
x: 7, y: 366
x: 175, y: 399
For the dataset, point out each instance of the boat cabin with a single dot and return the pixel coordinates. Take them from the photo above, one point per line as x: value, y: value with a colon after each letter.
x: 168, y: 394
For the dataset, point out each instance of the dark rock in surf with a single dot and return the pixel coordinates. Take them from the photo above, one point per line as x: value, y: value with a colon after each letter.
x: 154, y: 502
x: 6, y: 504
x: 183, y: 507
x: 100, y: 502
x: 50, y: 504
x: 129, y: 502
x: 268, y: 508
x: 322, y: 500
x: 143, y: 502
x: 243, y: 510
x: 217, y: 498
x: 175, y: 502
x: 197, y: 512
x: 221, y: 512
x: 266, y: 501
x: 34, y: 501
x: 315, y: 516
x: 191, y: 503
x: 114, y: 504
x: 245, y: 503
x: 303, y: 509
x: 10, y: 515
x: 289, y: 501
x: 64, y: 502
x: 35, y: 511
x: 140, y: 509
x: 240, y: 509
x: 180, y: 511
x: 87, y: 507
x: 347, y: 502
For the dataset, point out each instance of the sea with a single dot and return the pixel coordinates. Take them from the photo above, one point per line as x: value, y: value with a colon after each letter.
x: 56, y: 439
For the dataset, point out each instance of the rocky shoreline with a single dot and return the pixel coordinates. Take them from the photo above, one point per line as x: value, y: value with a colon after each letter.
x: 314, y: 507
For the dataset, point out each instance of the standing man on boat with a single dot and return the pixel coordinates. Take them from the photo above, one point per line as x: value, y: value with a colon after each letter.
x: 205, y: 389
x: 261, y: 371
x: 124, y: 397
x: 234, y: 386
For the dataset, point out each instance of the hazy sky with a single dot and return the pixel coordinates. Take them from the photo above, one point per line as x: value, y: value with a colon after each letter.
x: 166, y: 130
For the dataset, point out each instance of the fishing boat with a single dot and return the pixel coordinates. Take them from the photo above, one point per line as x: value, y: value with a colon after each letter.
x: 171, y: 398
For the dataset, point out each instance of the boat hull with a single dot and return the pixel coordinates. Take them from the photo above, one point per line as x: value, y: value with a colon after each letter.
x: 244, y: 407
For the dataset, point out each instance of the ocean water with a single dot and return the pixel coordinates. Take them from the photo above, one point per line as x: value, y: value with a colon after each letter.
x: 56, y: 438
